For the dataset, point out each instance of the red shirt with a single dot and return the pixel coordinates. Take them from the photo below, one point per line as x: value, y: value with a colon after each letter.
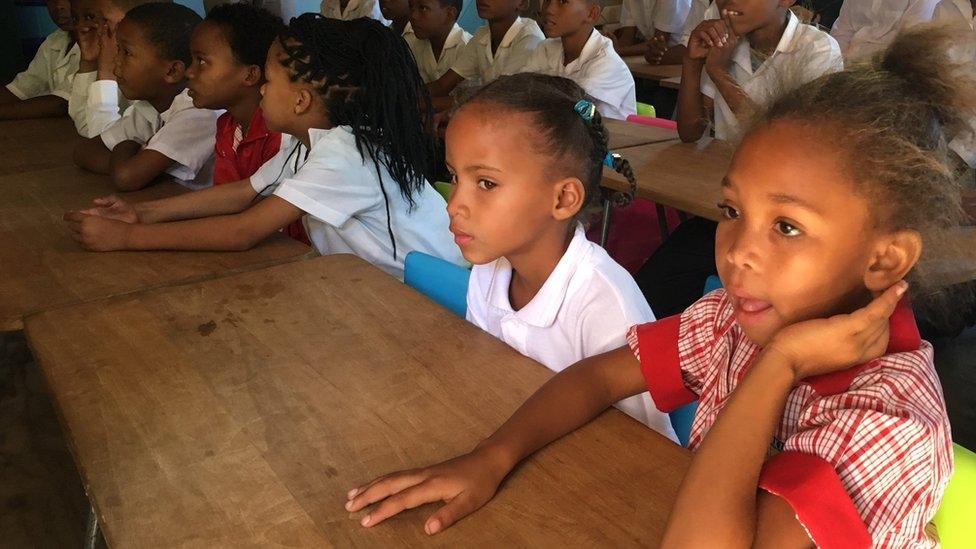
x: 862, y: 455
x: 238, y: 156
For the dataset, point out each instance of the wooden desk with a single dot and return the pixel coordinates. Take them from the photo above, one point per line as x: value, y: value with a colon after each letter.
x: 43, y: 267
x: 686, y: 176
x: 238, y: 412
x: 629, y: 134
x: 642, y: 69
x: 27, y: 145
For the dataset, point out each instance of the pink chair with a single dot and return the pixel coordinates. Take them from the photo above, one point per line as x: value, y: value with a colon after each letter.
x: 651, y: 121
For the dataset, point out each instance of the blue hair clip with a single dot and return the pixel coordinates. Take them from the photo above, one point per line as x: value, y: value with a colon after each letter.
x: 585, y: 109
x: 609, y: 158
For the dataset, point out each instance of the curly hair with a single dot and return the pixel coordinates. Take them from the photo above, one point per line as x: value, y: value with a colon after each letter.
x: 249, y: 30
x: 168, y: 27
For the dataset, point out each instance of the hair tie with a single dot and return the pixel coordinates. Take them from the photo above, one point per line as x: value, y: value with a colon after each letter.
x: 609, y: 159
x: 585, y: 109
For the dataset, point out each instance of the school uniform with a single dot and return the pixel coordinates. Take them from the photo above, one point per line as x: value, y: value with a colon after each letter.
x: 52, y: 69
x: 182, y: 133
x: 583, y: 309
x: 94, y: 105
x: 803, y: 53
x: 861, y: 455
x: 343, y: 199
x: 647, y: 15
x: 696, y: 14
x: 865, y: 27
x: 477, y: 64
x: 430, y: 68
x: 238, y: 154
x: 354, y: 10
x: 599, y: 70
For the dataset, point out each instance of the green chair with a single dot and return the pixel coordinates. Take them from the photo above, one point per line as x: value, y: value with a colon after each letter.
x: 444, y: 189
x: 956, y: 518
x: 644, y: 109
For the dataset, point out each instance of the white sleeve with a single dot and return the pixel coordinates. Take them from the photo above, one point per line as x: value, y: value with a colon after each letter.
x: 332, y: 189
x: 612, y: 84
x: 275, y: 169
x: 36, y: 80
x: 521, y: 51
x: 918, y: 12
x: 466, y: 65
x: 138, y: 123
x: 187, y: 138
x: 820, y: 58
x: 696, y: 14
x: 103, y: 105
x: 843, y: 30
x: 78, y: 102
x: 537, y: 61
x: 627, y: 18
x: 670, y: 15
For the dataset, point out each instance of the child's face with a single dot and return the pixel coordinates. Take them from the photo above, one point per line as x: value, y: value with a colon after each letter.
x: 749, y: 15
x: 395, y: 10
x: 109, y: 11
x: 60, y: 12
x: 796, y: 241
x: 431, y: 18
x: 85, y: 15
x: 491, y: 10
x: 279, y: 95
x: 139, y: 69
x: 215, y: 79
x: 500, y: 203
x: 566, y: 17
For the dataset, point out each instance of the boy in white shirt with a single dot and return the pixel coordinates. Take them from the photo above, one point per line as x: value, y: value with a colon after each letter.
x: 643, y: 21
x: 161, y: 133
x: 42, y: 90
x: 347, y: 10
x: 575, y: 50
x: 865, y: 27
x: 672, y: 52
x: 499, y: 48
x: 434, y: 37
x: 740, y: 57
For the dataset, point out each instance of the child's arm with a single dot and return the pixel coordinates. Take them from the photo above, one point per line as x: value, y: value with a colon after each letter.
x: 566, y: 402
x: 444, y: 85
x: 92, y: 155
x: 45, y: 106
x: 132, y: 167
x: 229, y: 198
x: 693, y: 106
x: 717, y: 65
x: 718, y: 501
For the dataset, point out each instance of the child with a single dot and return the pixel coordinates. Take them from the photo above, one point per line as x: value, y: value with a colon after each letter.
x: 499, y: 48
x: 161, y: 133
x: 808, y: 431
x: 576, y: 50
x: 42, y: 90
x: 737, y: 58
x: 434, y: 36
x: 643, y: 22
x: 347, y: 10
x: 672, y: 52
x: 519, y: 188
x: 398, y: 13
x: 354, y: 160
x: 864, y: 28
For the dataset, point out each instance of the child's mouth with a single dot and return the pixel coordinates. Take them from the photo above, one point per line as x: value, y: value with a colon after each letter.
x: 749, y: 310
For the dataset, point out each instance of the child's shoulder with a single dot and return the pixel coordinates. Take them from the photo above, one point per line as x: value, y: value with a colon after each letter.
x: 813, y: 40
x: 594, y: 276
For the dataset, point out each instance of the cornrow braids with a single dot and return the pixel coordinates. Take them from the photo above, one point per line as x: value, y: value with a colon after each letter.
x: 576, y: 145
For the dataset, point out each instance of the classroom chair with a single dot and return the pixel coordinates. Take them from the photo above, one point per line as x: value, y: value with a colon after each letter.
x: 444, y: 189
x: 644, y: 109
x: 651, y: 120
x: 195, y: 5
x: 955, y: 519
x: 440, y: 280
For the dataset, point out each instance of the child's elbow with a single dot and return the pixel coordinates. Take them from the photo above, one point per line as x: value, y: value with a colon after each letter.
x: 125, y: 179
x: 690, y: 134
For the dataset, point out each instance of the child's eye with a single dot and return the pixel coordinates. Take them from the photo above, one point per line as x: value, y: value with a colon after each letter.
x: 787, y: 229
x: 728, y: 211
x: 453, y: 178
x: 486, y: 185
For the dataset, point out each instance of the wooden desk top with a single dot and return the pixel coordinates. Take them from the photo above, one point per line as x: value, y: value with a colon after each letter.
x: 686, y: 176
x: 43, y: 267
x: 27, y: 145
x: 630, y: 134
x: 237, y: 412
x: 642, y: 69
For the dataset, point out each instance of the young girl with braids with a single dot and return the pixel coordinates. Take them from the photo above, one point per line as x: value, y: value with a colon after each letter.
x: 351, y: 158
x: 526, y: 156
x: 820, y: 417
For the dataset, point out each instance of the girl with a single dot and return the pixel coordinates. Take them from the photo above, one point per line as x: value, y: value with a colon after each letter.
x: 524, y: 164
x: 820, y: 417
x: 353, y: 160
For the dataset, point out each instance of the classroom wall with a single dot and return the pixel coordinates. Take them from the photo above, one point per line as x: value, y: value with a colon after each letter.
x: 11, y: 51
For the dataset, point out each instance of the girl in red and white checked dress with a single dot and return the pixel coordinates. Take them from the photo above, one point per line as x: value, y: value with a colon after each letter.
x: 820, y: 419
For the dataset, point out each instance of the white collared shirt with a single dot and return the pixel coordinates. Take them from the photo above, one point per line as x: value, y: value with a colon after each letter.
x: 647, y: 15
x: 696, y: 14
x: 959, y: 14
x: 95, y: 105
x: 583, y: 309
x: 430, y: 68
x: 51, y: 71
x: 804, y: 53
x: 955, y: 12
x: 601, y: 73
x: 182, y: 133
x: 345, y: 204
x: 476, y: 62
x: 354, y: 10
x: 865, y: 27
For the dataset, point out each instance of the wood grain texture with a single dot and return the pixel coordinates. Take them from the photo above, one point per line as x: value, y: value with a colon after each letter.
x: 630, y: 134
x: 237, y: 412
x: 43, y: 267
x: 28, y: 145
x: 640, y: 68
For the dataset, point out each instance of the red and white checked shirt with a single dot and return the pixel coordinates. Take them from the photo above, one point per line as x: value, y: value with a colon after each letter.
x: 864, y: 453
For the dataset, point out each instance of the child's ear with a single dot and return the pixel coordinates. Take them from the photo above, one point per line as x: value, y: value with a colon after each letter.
x: 895, y: 255
x: 176, y: 72
x: 303, y: 101
x: 254, y: 75
x: 569, y: 197
x: 593, y: 15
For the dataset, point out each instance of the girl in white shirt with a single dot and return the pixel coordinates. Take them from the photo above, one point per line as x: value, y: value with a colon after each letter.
x: 352, y: 160
x: 526, y: 155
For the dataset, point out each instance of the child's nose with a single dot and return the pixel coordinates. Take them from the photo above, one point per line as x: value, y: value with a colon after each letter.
x: 742, y: 252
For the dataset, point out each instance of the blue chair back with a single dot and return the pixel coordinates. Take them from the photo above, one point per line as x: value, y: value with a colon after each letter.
x: 440, y: 280
x: 195, y: 5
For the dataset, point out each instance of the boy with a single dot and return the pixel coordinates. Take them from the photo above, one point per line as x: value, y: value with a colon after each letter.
x: 737, y: 58
x: 864, y: 28
x: 499, y: 48
x: 575, y: 50
x: 644, y: 21
x: 398, y: 13
x: 42, y: 90
x: 672, y: 52
x: 161, y: 133
x: 434, y: 37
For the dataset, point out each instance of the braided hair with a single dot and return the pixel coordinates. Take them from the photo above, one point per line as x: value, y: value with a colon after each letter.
x: 575, y: 145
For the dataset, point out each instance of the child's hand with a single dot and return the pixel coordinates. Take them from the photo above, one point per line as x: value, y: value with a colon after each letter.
x: 113, y: 207
x: 720, y: 56
x: 656, y: 48
x: 464, y: 483
x: 88, y: 42
x: 107, y: 49
x: 706, y: 36
x: 825, y: 345
x: 97, y: 234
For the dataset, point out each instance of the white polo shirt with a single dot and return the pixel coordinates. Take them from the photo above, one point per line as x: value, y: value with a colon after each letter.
x: 584, y: 308
x: 354, y: 10
x: 664, y: 15
x: 52, y: 69
x: 343, y: 199
x: 696, y: 14
x: 804, y: 53
x: 430, y: 68
x: 182, y: 133
x: 476, y: 62
x: 865, y: 27
x: 598, y: 70
x: 95, y: 105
